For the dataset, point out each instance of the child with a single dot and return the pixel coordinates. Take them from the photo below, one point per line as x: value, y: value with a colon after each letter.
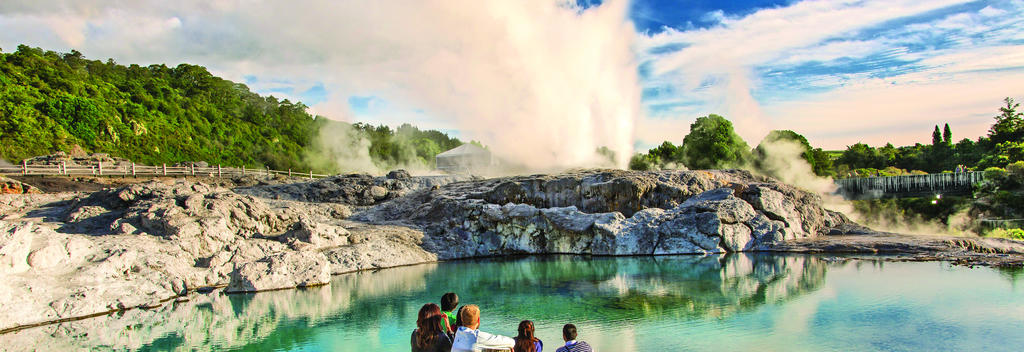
x: 449, y: 301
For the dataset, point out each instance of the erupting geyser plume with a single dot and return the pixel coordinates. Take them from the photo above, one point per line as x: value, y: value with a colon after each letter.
x: 542, y: 83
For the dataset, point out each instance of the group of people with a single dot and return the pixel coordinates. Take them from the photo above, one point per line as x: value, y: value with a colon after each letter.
x: 443, y: 328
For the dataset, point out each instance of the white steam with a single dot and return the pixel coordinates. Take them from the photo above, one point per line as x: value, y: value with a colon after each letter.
x: 782, y: 160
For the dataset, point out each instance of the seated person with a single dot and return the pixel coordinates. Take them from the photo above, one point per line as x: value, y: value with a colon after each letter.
x: 469, y: 339
x: 430, y: 334
x: 571, y: 345
x: 525, y: 341
x: 449, y: 301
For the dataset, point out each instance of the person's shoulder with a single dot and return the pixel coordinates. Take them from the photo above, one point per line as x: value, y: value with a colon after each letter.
x: 561, y: 349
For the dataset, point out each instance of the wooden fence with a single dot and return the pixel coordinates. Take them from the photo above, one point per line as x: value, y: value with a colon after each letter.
x: 135, y: 170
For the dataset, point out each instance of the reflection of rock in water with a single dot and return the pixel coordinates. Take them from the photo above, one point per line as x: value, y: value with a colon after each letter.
x: 712, y: 285
x: 595, y: 288
x: 215, y: 321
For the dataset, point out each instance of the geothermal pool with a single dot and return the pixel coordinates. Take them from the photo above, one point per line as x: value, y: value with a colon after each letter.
x: 763, y: 302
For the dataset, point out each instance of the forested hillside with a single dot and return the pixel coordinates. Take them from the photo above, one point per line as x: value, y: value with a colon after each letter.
x: 158, y: 114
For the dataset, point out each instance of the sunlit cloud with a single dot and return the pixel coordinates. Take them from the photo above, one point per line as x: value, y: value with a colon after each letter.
x: 843, y: 71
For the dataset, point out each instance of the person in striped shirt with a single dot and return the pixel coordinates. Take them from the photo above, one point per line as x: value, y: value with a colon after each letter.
x: 571, y: 344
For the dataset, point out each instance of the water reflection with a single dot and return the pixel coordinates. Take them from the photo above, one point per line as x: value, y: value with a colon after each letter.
x: 376, y: 310
x: 218, y: 322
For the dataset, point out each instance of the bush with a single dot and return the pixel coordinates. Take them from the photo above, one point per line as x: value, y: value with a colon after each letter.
x: 995, y: 174
x: 1013, y: 234
x: 1016, y: 171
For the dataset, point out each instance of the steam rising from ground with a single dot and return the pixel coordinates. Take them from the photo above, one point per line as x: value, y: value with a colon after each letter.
x: 782, y: 161
x: 542, y: 83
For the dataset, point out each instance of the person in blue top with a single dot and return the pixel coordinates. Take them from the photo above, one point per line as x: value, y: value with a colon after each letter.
x: 571, y: 344
x: 526, y: 342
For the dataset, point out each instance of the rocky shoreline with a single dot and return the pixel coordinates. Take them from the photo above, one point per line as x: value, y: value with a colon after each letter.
x: 70, y: 255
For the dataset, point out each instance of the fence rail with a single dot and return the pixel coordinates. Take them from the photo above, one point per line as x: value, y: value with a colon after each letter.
x: 132, y: 169
x: 908, y: 186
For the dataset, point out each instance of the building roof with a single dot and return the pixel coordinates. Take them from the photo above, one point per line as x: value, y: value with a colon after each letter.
x: 465, y: 149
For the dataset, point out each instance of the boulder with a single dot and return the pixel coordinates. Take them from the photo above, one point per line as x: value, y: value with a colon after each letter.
x: 15, y: 244
x: 314, y: 234
x: 11, y: 186
x: 399, y: 174
x: 281, y: 270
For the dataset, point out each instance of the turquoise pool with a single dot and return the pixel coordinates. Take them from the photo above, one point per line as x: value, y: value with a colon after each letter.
x: 760, y: 302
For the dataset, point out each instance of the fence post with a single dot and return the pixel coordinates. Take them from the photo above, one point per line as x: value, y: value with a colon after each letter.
x: 243, y: 170
x: 133, y: 169
x: 99, y: 167
x: 268, y: 171
x: 310, y: 174
x: 63, y: 167
x: 289, y: 172
x: 193, y: 168
x: 219, y: 174
x: 24, y: 167
x: 165, y: 169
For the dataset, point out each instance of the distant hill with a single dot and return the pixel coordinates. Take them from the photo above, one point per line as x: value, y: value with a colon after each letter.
x: 156, y: 114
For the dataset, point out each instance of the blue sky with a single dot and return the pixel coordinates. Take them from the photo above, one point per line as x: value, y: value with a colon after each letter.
x: 613, y: 72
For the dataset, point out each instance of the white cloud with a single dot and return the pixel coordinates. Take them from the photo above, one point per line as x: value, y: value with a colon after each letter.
x: 951, y: 54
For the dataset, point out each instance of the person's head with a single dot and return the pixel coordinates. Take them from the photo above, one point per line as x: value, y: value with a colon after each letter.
x: 458, y: 318
x: 449, y: 301
x: 569, y: 332
x: 428, y: 310
x: 470, y: 316
x: 429, y: 324
x: 525, y: 340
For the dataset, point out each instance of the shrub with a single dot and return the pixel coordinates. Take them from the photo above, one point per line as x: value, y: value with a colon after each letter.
x: 995, y: 174
x: 1013, y: 234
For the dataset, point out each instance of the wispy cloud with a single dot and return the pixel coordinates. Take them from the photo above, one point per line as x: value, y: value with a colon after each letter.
x: 819, y: 66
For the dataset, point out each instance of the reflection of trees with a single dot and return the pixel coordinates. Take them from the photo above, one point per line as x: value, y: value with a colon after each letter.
x: 354, y: 305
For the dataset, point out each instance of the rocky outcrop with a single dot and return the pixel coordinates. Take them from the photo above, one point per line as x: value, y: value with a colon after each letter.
x: 145, y: 244
x: 9, y: 186
x: 281, y: 270
x: 351, y: 189
x: 73, y: 255
x: 611, y: 212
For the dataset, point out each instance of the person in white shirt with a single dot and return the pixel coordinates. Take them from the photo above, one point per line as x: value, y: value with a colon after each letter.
x: 469, y: 339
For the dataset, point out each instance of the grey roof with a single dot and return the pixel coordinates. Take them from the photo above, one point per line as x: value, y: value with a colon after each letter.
x: 465, y: 149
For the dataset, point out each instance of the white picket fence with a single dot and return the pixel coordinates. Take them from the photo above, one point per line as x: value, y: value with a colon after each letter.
x: 136, y: 170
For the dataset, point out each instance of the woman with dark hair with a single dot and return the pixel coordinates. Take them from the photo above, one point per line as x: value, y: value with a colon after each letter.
x: 429, y: 335
x: 526, y: 342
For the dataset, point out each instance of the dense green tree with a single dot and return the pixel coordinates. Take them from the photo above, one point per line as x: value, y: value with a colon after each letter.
x: 712, y: 144
x: 1009, y: 125
x: 158, y: 114
x: 861, y: 155
x: 947, y: 135
x: 936, y: 136
x: 667, y: 152
x: 644, y: 162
